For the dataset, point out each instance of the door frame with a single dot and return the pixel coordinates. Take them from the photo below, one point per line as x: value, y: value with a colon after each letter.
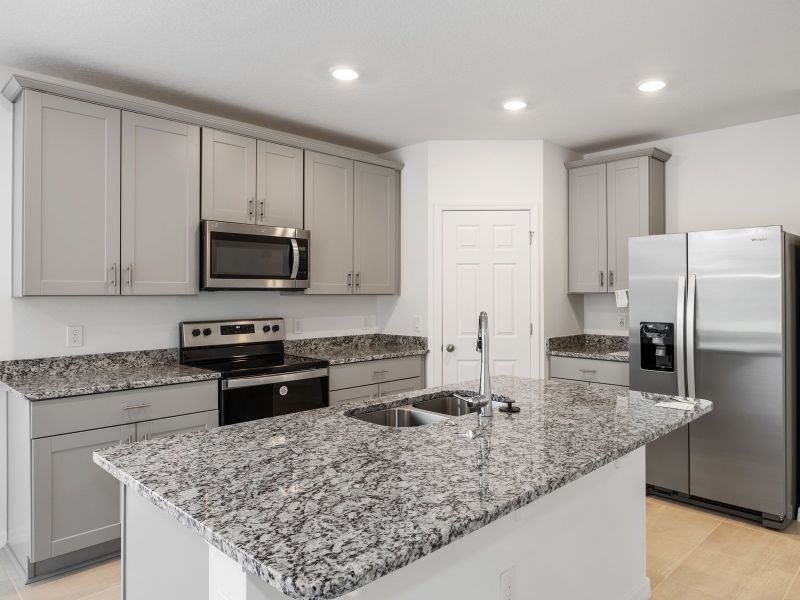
x: 534, y: 224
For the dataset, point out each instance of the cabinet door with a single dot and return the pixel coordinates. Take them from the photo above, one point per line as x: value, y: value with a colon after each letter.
x: 362, y: 392
x: 376, y: 215
x: 279, y: 185
x: 229, y: 177
x: 329, y: 215
x: 71, y: 188
x: 75, y: 502
x: 160, y: 205
x: 403, y: 385
x: 158, y: 428
x: 587, y: 229
x: 628, y: 214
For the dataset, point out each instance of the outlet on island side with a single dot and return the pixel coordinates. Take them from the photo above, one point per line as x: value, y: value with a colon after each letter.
x: 74, y: 336
x: 508, y: 584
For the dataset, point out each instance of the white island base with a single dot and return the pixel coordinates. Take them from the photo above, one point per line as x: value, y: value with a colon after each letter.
x: 585, y: 540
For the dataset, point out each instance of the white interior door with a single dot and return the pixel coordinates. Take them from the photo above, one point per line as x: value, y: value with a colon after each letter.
x: 486, y: 265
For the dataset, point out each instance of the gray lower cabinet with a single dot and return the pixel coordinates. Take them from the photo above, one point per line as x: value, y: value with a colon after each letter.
x: 64, y: 508
x: 376, y: 378
x: 158, y: 428
x: 588, y: 370
x: 75, y: 504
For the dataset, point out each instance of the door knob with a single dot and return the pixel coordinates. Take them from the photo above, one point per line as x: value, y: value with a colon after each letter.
x: 450, y: 347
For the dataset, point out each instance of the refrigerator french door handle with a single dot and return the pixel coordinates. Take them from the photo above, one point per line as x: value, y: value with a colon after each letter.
x: 690, y: 314
x: 679, y: 335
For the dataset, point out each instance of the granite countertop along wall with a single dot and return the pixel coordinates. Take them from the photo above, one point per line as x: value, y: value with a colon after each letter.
x: 78, y: 375
x: 366, y: 500
x: 598, y: 347
x: 358, y: 348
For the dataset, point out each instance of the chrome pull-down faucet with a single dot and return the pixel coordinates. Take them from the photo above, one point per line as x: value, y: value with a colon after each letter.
x: 484, y: 398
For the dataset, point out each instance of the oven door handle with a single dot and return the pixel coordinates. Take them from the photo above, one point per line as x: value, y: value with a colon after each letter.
x: 295, y: 259
x: 245, y: 382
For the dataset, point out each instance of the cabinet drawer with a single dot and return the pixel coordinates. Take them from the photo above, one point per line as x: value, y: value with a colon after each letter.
x: 403, y: 385
x: 585, y: 369
x: 362, y: 392
x: 374, y: 371
x: 80, y: 413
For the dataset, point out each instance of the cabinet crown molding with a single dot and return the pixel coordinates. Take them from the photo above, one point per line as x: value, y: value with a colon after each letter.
x: 653, y: 152
x: 18, y: 83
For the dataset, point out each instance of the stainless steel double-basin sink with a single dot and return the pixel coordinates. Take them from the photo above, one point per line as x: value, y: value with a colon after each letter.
x: 425, y: 411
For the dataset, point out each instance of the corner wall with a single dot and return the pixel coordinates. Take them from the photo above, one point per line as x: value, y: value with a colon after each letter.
x: 739, y: 176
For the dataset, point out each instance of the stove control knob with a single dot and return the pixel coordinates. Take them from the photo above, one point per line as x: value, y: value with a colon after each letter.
x: 207, y: 331
x: 266, y: 328
x: 276, y: 327
x: 195, y: 332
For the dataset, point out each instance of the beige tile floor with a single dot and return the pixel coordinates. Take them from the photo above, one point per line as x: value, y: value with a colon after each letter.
x: 691, y: 555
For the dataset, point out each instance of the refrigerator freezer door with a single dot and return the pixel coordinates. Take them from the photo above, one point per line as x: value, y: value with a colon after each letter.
x: 738, y: 451
x: 657, y: 264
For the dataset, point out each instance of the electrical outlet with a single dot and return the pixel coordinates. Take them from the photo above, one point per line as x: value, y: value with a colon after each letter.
x: 417, y: 324
x: 74, y: 336
x: 508, y: 584
x: 298, y: 326
x: 622, y: 322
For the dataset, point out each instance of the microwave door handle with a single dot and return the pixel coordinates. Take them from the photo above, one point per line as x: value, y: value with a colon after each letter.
x: 295, y: 259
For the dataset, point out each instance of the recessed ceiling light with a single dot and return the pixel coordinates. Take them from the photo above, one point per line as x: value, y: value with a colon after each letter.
x: 515, y: 104
x: 652, y: 85
x: 344, y: 73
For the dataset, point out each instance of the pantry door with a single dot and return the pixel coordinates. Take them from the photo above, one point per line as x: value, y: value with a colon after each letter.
x: 486, y: 266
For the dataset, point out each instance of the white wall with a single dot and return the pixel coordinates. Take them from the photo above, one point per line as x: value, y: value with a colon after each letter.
x: 562, y: 314
x: 440, y: 174
x: 398, y: 313
x: 734, y: 177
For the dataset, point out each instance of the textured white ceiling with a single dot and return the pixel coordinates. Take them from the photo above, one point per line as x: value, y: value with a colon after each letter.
x: 432, y: 69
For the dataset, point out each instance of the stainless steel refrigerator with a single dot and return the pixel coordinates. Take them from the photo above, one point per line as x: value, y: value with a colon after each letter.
x: 714, y: 315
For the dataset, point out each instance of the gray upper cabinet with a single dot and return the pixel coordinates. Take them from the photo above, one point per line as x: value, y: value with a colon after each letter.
x: 587, y: 229
x: 229, y: 177
x: 160, y: 205
x: 279, y: 185
x: 76, y: 504
x: 329, y: 216
x: 352, y: 210
x: 612, y: 199
x: 66, y: 197
x: 376, y: 216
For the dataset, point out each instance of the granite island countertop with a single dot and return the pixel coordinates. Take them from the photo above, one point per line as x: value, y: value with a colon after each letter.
x: 318, y: 504
x: 346, y: 349
x: 78, y: 375
x: 596, y: 347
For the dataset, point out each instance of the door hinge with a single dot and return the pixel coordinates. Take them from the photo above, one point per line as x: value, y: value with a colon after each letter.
x: 530, y: 238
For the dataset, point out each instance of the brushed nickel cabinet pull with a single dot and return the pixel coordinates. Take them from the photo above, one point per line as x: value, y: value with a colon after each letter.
x: 611, y: 278
x: 588, y: 370
x: 601, y: 278
x: 250, y: 209
x: 349, y: 280
x: 358, y: 280
x: 261, y: 203
x: 114, y: 274
x: 135, y: 406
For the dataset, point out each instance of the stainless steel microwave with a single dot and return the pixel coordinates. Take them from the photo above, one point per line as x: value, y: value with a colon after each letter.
x: 253, y: 257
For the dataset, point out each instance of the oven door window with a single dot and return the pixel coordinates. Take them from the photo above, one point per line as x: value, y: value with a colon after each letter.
x: 259, y: 402
x: 237, y: 256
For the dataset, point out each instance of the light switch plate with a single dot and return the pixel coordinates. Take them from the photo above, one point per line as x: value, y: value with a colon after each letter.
x: 417, y: 324
x: 298, y: 326
x: 74, y: 336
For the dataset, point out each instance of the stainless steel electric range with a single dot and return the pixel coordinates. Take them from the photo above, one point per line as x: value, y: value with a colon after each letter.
x: 258, y: 379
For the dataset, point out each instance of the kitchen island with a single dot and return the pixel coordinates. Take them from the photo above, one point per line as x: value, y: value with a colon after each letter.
x: 319, y: 504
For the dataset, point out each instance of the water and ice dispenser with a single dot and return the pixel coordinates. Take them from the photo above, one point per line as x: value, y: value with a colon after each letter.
x: 658, y: 346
